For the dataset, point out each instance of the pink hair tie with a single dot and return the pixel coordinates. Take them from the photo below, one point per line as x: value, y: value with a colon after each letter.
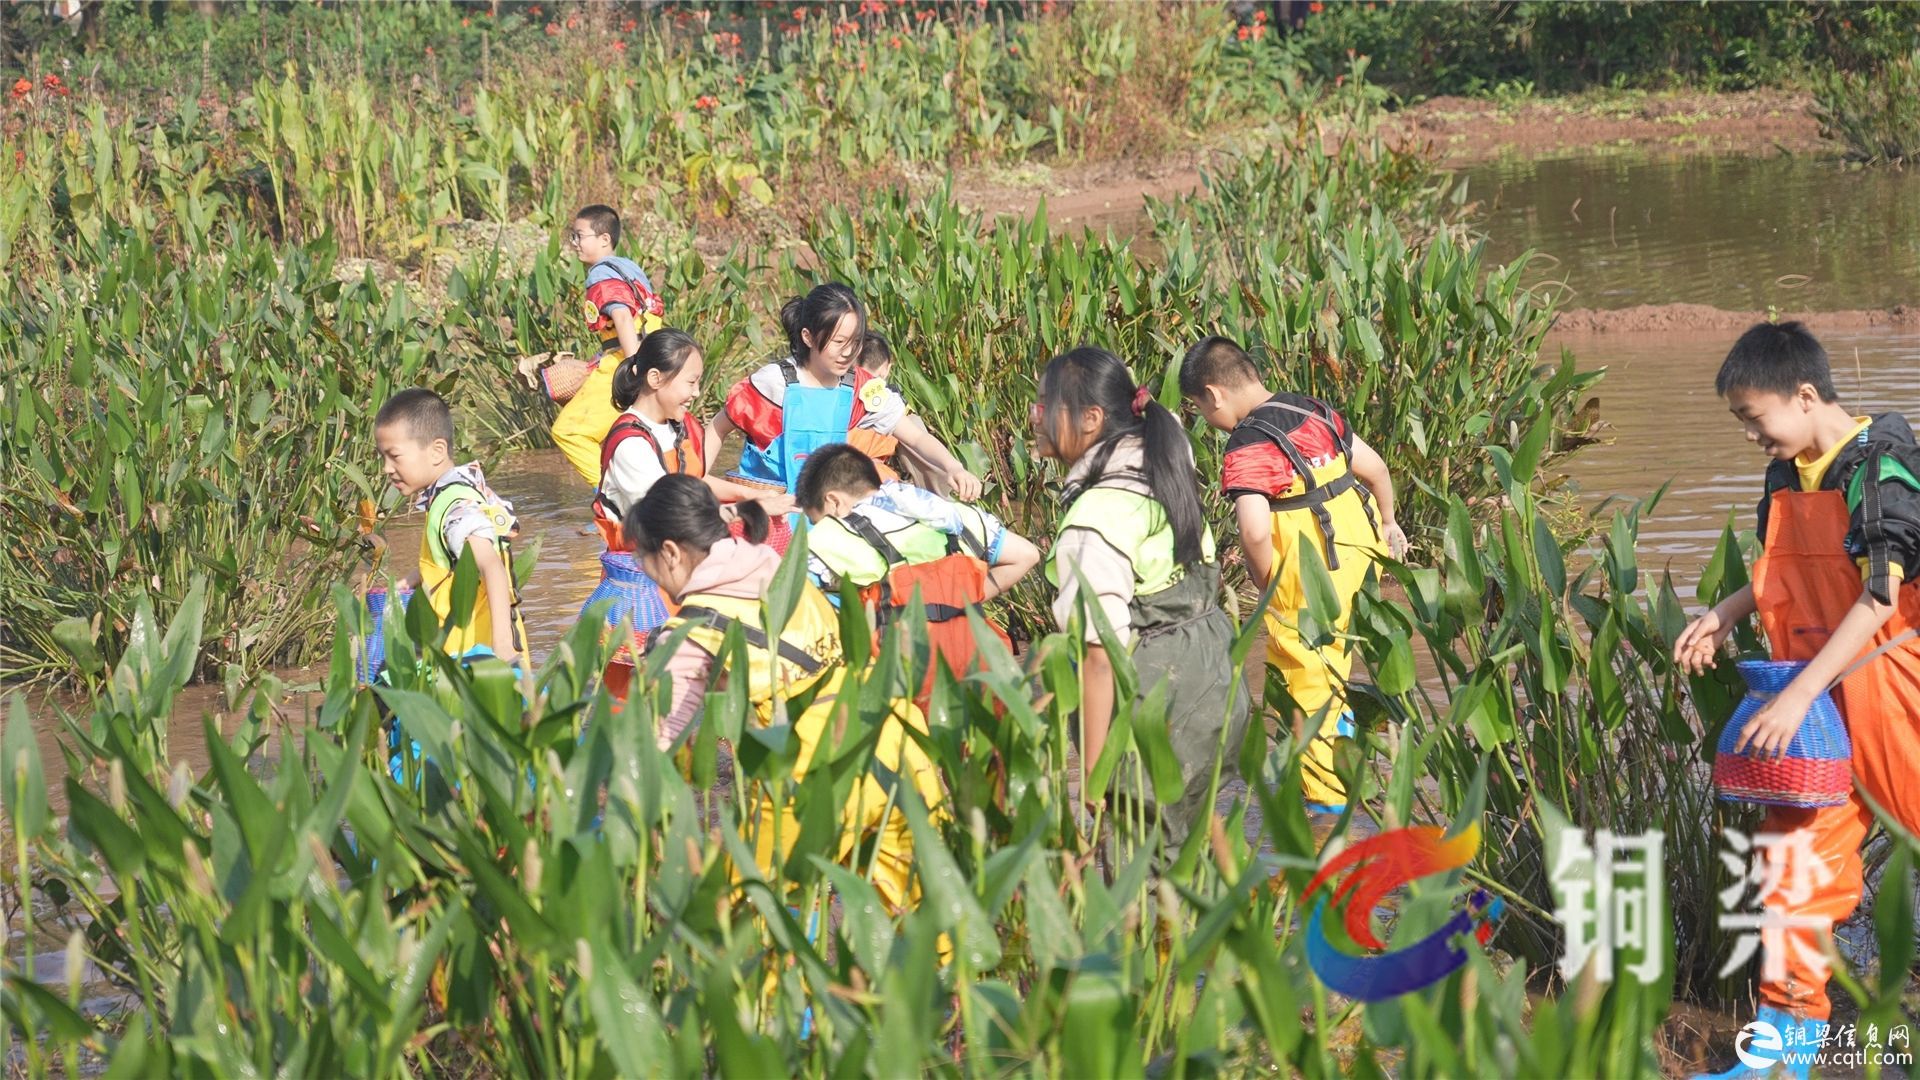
x: 1140, y: 399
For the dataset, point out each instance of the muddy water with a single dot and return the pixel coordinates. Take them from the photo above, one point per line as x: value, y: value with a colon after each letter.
x: 1740, y: 233
x: 1668, y: 427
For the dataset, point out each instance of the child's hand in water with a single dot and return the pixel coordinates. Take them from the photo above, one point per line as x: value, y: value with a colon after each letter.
x: 1700, y: 642
x: 966, y: 486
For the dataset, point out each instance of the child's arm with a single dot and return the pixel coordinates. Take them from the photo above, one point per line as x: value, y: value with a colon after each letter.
x: 1096, y: 712
x: 914, y: 434
x: 1371, y: 469
x: 1697, y: 645
x: 499, y: 585
x: 729, y: 492
x: 1018, y: 557
x: 1255, y: 519
x: 718, y: 429
x: 1772, y: 728
x: 409, y: 582
x: 624, y: 325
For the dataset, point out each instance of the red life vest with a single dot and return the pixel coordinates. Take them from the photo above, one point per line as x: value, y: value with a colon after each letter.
x: 948, y: 587
x: 687, y: 456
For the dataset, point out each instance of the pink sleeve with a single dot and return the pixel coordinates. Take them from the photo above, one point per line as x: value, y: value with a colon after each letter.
x: 687, y: 671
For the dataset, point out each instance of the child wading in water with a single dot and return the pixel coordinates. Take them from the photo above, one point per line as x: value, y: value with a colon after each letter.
x: 1840, y: 529
x: 719, y: 581
x: 621, y: 309
x: 821, y: 395
x: 414, y: 433
x: 1133, y: 531
x: 892, y: 541
x: 653, y: 436
x: 1298, y: 478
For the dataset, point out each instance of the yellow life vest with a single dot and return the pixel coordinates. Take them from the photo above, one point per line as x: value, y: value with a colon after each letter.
x: 437, y: 565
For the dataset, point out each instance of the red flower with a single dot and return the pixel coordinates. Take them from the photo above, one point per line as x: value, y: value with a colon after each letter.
x: 464, y: 23
x: 706, y: 102
x: 553, y: 29
x: 1243, y: 33
x: 1047, y: 8
x: 1339, y: 81
x: 923, y: 15
x: 863, y: 66
x: 429, y: 50
x: 799, y: 13
x: 789, y: 29
x: 1013, y: 50
x: 842, y: 29
x: 619, y: 46
x: 893, y: 42
x: 51, y: 82
x: 1259, y: 31
x: 534, y: 11
x: 629, y: 26
x: 19, y: 159
x: 571, y: 23
x: 1316, y: 7
x: 980, y: 3
x: 21, y: 88
x: 1259, y: 17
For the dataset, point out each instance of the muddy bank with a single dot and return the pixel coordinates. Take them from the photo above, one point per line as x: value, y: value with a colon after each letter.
x: 1685, y: 318
x: 1464, y: 130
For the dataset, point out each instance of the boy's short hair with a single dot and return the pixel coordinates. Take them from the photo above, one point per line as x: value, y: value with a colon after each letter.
x: 838, y: 467
x: 424, y: 413
x: 604, y: 219
x: 1216, y: 361
x: 875, y: 352
x: 1777, y: 358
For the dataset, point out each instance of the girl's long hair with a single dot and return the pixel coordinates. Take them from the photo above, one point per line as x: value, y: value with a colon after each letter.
x: 1076, y: 381
x: 682, y: 509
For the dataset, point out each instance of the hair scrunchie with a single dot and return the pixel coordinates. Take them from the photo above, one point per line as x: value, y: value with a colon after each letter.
x: 1140, y: 399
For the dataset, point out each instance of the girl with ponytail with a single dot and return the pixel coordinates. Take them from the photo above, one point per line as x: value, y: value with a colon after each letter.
x: 820, y: 395
x: 654, y: 436
x: 718, y: 580
x: 1134, y: 545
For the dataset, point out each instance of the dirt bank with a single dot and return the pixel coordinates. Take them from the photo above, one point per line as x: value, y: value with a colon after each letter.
x: 1679, y: 318
x: 1462, y: 131
x: 1465, y: 130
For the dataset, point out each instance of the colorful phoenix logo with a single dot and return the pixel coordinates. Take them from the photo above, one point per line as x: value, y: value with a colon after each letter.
x: 1379, y: 865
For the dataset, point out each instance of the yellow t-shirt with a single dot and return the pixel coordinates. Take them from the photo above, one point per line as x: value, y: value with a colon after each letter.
x: 1812, y: 472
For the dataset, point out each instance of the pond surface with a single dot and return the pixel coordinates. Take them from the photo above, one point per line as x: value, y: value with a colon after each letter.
x: 1668, y: 427
x: 1739, y: 233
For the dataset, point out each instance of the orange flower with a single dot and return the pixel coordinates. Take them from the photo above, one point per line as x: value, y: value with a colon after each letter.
x: 21, y: 88
x: 571, y: 23
x: 1259, y: 31
x: 893, y: 42
x: 1259, y: 17
x: 706, y: 102
x: 1243, y: 33
x: 923, y: 15
x: 553, y: 29
x: 1316, y: 7
x: 799, y: 13
x: 619, y: 46
x: 464, y: 23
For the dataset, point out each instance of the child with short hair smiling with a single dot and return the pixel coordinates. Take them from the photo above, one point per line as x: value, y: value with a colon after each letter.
x: 1840, y: 527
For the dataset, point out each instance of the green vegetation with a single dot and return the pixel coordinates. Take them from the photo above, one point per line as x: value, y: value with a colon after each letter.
x: 1875, y: 114
x: 1461, y: 47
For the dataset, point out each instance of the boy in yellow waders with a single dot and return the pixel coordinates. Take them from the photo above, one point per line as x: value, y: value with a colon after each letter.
x: 414, y: 433
x: 1298, y: 478
x: 621, y: 308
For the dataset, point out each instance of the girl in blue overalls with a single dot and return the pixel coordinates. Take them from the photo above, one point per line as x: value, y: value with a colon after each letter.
x: 820, y: 395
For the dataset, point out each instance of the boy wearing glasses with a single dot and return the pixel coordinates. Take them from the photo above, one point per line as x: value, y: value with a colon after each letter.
x: 621, y: 308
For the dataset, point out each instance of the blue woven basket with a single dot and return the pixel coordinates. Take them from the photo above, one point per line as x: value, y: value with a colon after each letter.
x: 634, y: 596
x: 374, y: 657
x: 1818, y: 767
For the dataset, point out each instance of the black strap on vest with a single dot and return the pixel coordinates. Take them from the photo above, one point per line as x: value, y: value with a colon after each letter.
x: 1316, y: 496
x: 753, y: 636
x: 883, y: 613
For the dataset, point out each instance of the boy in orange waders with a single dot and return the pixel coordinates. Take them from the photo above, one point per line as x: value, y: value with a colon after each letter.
x: 1298, y: 477
x: 893, y: 540
x: 1840, y: 533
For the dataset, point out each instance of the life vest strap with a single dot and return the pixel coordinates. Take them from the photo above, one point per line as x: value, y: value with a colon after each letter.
x: 753, y: 636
